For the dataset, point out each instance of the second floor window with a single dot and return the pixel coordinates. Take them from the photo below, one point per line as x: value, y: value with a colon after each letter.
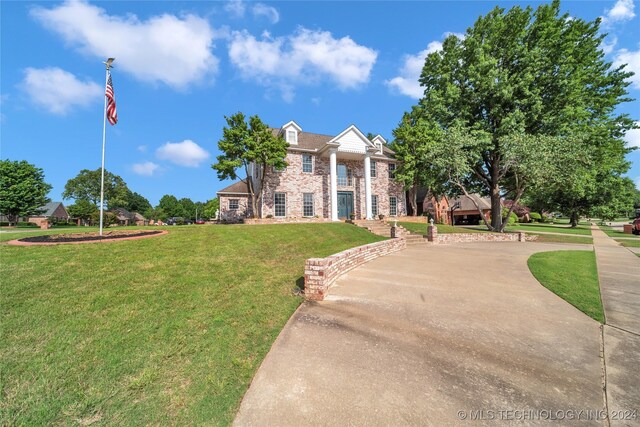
x: 373, y: 168
x: 345, y: 177
x: 392, y: 170
x: 307, y: 163
x: 292, y: 137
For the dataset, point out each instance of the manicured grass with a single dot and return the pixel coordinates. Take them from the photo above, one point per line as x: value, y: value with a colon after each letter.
x: 568, y: 221
x: 556, y: 238
x: 160, y: 331
x: 612, y: 232
x: 533, y: 227
x: 629, y: 243
x: 421, y: 228
x: 573, y: 276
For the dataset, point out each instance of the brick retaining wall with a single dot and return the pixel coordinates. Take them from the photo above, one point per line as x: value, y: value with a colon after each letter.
x: 478, y: 237
x: 321, y: 273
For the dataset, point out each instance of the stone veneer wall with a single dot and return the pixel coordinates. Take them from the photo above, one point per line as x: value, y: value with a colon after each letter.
x: 321, y: 273
x: 254, y: 221
x: 295, y: 183
x: 476, y: 237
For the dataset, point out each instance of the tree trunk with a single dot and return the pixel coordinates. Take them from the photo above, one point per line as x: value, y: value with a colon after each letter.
x: 496, y: 207
x: 413, y: 196
x: 574, y: 219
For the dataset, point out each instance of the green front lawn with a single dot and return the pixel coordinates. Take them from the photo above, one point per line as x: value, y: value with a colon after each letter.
x: 629, y: 243
x: 421, y: 228
x: 612, y: 232
x: 557, y: 238
x: 533, y: 227
x: 167, y: 330
x: 573, y: 276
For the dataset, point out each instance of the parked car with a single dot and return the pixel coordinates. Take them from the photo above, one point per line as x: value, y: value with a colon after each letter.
x: 176, y: 220
x: 200, y: 221
x: 636, y: 227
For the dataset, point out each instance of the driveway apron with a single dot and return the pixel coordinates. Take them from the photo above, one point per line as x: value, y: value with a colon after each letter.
x: 434, y: 335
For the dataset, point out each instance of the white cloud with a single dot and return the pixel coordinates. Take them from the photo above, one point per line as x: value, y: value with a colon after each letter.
x: 58, y: 91
x: 633, y: 137
x: 186, y: 153
x: 621, y: 11
x: 236, y: 8
x: 269, y: 12
x: 142, y: 148
x: 145, y: 169
x: 164, y: 48
x: 305, y: 57
x: 632, y: 59
x: 407, y: 82
x: 607, y: 48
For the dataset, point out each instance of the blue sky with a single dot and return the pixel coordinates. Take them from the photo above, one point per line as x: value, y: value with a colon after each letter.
x: 182, y: 66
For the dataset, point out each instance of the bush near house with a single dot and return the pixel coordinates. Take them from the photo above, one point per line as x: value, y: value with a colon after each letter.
x: 535, y: 216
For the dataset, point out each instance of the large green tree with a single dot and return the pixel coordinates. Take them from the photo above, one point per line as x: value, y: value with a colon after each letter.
x: 86, y: 186
x: 247, y: 145
x: 22, y: 189
x: 413, y: 145
x: 211, y: 207
x: 82, y: 209
x: 520, y: 82
x: 169, y: 206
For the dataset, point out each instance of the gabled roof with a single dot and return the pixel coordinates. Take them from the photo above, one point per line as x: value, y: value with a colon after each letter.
x: 466, y: 204
x: 317, y: 141
x: 48, y: 209
x: 122, y: 214
x: 238, y: 187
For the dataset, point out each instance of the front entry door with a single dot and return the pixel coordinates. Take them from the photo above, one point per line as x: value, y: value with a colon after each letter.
x: 345, y: 204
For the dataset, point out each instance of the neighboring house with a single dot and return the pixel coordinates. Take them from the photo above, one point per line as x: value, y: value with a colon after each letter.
x: 123, y: 216
x: 464, y: 211
x: 329, y: 177
x: 438, y: 209
x: 51, y: 211
x: 139, y: 219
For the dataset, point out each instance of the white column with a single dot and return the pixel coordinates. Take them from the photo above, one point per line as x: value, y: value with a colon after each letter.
x: 367, y: 185
x: 334, y: 183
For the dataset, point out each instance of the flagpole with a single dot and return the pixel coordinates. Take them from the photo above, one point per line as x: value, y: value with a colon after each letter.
x: 104, y: 140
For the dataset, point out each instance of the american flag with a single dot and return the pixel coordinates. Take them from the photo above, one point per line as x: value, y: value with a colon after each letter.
x: 112, y: 115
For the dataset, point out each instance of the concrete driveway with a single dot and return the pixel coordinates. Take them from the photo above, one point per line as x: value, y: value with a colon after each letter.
x: 434, y: 335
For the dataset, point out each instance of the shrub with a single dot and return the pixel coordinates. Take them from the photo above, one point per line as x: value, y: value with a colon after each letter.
x: 26, y: 224
x: 535, y: 216
x: 513, y: 218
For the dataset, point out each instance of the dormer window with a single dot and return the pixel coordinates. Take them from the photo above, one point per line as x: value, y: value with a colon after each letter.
x: 292, y: 136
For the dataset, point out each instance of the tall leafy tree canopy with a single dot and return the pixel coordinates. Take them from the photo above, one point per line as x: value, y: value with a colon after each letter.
x: 522, y: 86
x: 86, y: 186
x: 170, y: 206
x: 22, y: 189
x: 247, y: 145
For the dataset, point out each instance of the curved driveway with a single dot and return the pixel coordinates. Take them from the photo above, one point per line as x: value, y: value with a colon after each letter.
x: 433, y: 335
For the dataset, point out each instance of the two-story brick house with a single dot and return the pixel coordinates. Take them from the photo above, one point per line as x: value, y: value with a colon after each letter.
x: 328, y: 177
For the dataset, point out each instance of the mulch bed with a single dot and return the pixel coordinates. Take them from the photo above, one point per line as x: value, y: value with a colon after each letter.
x: 53, y: 239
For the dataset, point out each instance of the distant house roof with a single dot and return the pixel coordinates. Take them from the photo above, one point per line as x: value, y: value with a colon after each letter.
x: 122, y: 214
x: 138, y: 217
x: 466, y: 204
x: 239, y: 187
x: 50, y: 208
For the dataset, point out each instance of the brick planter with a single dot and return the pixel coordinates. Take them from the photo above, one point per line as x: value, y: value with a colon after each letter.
x: 479, y: 237
x: 321, y: 273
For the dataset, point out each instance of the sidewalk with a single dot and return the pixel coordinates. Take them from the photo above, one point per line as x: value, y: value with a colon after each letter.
x: 619, y: 273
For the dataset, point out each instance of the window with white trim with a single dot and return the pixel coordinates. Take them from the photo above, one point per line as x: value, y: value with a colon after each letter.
x: 393, y: 205
x: 234, y: 204
x: 392, y: 170
x: 345, y: 176
x: 307, y: 204
x: 307, y: 163
x: 373, y: 168
x: 292, y: 136
x: 374, y: 205
x: 280, y: 205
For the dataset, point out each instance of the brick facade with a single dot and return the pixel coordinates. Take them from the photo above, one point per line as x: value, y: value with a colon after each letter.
x: 321, y: 273
x: 434, y: 237
x: 234, y: 215
x: 294, y: 183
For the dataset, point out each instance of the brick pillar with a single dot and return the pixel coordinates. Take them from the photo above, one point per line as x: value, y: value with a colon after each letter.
x: 432, y: 233
x: 44, y: 224
x: 521, y: 237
